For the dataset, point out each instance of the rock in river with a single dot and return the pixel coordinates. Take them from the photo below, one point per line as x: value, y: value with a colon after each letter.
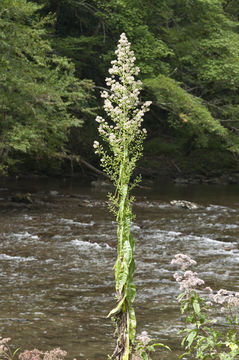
x: 22, y: 198
x: 185, y: 204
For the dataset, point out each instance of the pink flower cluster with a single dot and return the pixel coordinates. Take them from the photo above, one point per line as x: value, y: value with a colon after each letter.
x: 226, y: 298
x: 184, y: 260
x: 5, y: 353
x: 55, y: 354
x: 3, y: 347
x: 144, y: 338
x: 188, y: 280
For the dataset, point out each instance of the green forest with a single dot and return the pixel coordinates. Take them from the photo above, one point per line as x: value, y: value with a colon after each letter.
x: 55, y: 56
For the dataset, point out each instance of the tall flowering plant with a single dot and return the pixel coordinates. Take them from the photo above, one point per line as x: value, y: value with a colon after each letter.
x: 123, y: 134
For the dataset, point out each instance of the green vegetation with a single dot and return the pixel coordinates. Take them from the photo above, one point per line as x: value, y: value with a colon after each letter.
x: 40, y: 98
x: 55, y: 52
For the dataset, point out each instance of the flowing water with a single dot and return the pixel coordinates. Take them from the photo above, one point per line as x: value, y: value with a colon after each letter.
x: 57, y: 255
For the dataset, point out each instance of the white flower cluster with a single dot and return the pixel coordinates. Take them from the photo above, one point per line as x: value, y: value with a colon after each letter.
x: 121, y: 102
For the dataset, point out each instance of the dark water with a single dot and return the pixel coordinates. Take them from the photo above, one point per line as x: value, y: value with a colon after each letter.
x: 57, y: 255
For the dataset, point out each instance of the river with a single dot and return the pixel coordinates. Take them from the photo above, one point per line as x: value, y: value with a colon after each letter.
x: 57, y: 255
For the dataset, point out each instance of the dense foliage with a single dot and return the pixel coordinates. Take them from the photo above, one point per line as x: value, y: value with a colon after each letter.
x: 40, y: 96
x: 187, y: 51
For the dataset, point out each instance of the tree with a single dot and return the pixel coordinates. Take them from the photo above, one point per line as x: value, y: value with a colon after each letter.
x: 41, y: 99
x: 195, y: 43
x: 204, y: 42
x: 188, y: 45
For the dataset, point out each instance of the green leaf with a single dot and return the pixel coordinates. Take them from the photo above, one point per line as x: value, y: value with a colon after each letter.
x: 123, y: 276
x: 184, y: 354
x: 162, y: 345
x: 132, y: 242
x: 118, y: 308
x: 132, y: 325
x: 196, y: 307
x: 127, y: 250
x: 151, y: 348
x: 15, y: 352
x: 131, y: 293
x: 190, y: 338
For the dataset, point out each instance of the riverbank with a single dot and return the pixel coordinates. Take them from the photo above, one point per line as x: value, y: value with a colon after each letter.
x: 172, y: 175
x: 149, y: 177
x: 163, y: 167
x: 189, y: 170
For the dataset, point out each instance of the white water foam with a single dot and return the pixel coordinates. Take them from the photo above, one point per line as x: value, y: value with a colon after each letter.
x: 16, y: 258
x: 77, y: 223
x: 23, y: 235
x: 86, y: 245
